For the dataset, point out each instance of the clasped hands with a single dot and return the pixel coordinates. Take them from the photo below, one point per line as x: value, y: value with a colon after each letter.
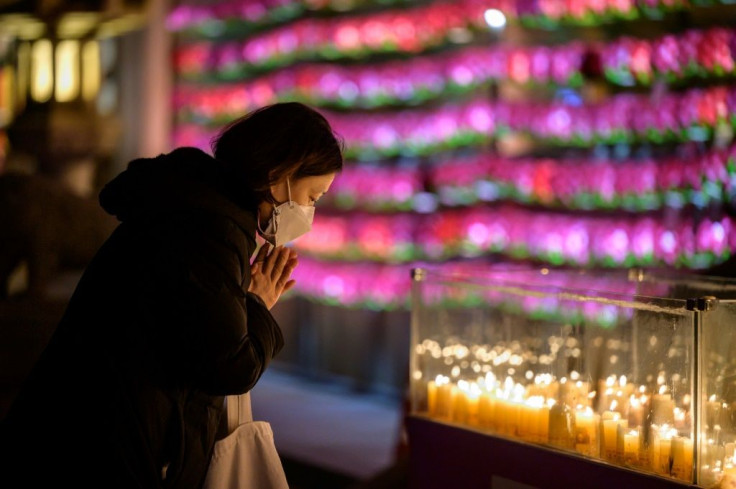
x: 270, y: 273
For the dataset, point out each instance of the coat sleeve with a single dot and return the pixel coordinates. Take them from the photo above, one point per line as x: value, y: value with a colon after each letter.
x: 206, y: 330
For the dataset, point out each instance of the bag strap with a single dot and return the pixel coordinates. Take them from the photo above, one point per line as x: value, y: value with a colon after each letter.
x: 238, y: 411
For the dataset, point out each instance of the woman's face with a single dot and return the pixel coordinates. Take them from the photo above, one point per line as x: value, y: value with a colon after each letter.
x: 304, y: 191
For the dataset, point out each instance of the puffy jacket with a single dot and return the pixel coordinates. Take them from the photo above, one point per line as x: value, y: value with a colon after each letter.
x: 129, y: 391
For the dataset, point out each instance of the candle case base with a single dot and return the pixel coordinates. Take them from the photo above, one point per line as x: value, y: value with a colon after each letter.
x: 446, y: 456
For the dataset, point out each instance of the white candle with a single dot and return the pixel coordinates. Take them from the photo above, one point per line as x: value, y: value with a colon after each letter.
x: 621, y: 430
x: 587, y: 424
x: 682, y: 458
x: 712, y: 412
x: 610, y: 420
x: 636, y: 411
x: 445, y: 398
x: 485, y: 410
x: 664, y: 463
x: 631, y: 447
x: 663, y: 408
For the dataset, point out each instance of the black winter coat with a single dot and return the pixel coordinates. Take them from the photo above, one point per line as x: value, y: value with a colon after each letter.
x: 129, y: 391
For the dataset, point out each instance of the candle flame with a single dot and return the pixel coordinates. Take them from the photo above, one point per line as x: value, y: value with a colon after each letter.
x: 441, y: 380
x: 614, y: 404
x: 663, y: 389
x: 622, y: 381
x: 535, y: 401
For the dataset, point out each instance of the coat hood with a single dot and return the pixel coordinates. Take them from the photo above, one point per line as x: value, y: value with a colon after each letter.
x: 185, y: 179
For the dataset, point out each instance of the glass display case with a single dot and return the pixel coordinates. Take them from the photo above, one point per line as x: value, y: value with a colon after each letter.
x: 634, y: 369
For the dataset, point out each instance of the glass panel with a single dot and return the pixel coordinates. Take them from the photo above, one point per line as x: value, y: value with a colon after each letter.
x: 718, y: 385
x: 581, y: 363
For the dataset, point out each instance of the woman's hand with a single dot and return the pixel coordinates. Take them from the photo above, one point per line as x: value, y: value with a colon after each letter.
x: 270, y: 273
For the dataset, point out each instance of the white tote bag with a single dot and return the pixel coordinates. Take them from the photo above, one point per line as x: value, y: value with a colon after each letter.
x: 247, y: 457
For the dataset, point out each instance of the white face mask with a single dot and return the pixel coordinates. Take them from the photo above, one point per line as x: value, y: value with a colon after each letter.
x: 288, y: 221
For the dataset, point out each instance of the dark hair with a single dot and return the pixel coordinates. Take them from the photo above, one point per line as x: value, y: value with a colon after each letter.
x: 286, y: 138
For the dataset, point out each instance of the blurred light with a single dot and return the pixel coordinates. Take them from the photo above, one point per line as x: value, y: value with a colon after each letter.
x: 7, y: 96
x: 22, y: 26
x: 67, y: 71
x: 77, y: 24
x: 42, y: 77
x: 494, y: 18
x: 570, y: 97
x: 121, y: 25
x: 333, y: 286
x: 478, y: 233
x: 23, y: 80
x: 425, y: 202
x: 90, y: 70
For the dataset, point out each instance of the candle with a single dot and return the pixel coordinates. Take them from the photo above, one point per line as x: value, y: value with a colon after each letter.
x: 664, y: 462
x: 561, y: 426
x: 663, y: 408
x: 605, y: 390
x: 529, y: 424
x: 609, y: 434
x: 587, y: 424
x: 485, y: 410
x: 682, y: 458
x: 445, y: 397
x: 712, y: 412
x: 631, y: 447
x: 621, y: 429
x: 465, y: 408
x: 432, y: 395
x: 681, y: 420
x: 728, y: 479
x: 543, y: 422
x: 660, y: 443
x: 525, y: 421
x: 636, y: 411
x: 502, y: 415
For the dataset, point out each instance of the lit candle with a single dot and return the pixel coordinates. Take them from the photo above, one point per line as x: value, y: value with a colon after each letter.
x: 631, y: 447
x: 728, y: 478
x: 445, y: 397
x: 465, y: 409
x: 661, y: 448
x: 485, y: 410
x: 636, y: 411
x: 605, y: 389
x: 621, y: 430
x: 526, y: 413
x: 682, y: 458
x: 681, y: 420
x: 663, y: 408
x: 561, y: 426
x: 533, y: 427
x: 586, y: 431
x: 609, y: 438
x: 432, y: 395
x: 712, y: 412
x: 664, y: 462
x: 543, y: 421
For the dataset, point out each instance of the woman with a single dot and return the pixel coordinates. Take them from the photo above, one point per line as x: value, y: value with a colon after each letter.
x: 170, y: 316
